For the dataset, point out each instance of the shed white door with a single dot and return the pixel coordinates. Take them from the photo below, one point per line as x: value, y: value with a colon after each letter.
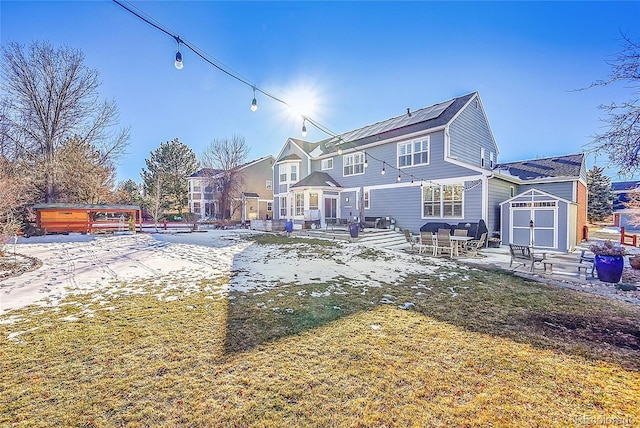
x: 545, y: 219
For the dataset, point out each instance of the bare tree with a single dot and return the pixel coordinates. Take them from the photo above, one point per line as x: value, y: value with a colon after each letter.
x: 49, y: 97
x: 155, y: 200
x: 224, y: 157
x: 621, y: 141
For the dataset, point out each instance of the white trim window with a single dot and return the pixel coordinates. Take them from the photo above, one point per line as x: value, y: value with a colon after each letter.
x: 413, y: 153
x: 299, y: 203
x: 283, y: 207
x: 327, y: 164
x: 491, y: 160
x: 313, y: 201
x: 294, y: 173
x: 353, y: 164
x: 482, y: 157
x: 366, y: 199
x: 442, y: 201
x: 283, y: 173
x: 269, y: 185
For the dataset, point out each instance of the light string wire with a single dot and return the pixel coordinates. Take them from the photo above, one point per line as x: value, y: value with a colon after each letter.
x: 219, y: 65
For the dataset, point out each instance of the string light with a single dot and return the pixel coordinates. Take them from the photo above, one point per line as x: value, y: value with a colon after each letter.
x: 233, y: 74
x: 178, y: 62
x: 411, y: 178
x: 254, y: 103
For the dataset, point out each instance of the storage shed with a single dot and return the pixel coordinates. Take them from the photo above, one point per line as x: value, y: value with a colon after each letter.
x: 540, y: 219
x: 87, y: 218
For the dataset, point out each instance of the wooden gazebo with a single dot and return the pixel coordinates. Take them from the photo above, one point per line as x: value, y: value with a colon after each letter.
x: 87, y: 218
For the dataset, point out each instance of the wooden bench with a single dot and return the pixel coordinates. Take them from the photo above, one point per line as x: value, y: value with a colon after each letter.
x: 524, y: 254
x: 582, y: 267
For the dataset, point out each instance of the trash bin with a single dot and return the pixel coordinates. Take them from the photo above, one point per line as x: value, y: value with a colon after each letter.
x: 288, y: 226
x: 353, y: 229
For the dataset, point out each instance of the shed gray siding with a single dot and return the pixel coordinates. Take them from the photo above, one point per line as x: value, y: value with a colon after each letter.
x: 470, y: 132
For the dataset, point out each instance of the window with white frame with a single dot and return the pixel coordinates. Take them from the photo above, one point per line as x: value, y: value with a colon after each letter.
x: 327, y: 164
x: 491, y: 159
x: 313, y: 201
x: 269, y: 185
x: 413, y: 153
x: 294, y: 173
x: 353, y: 164
x: 442, y: 201
x: 283, y: 173
x: 283, y: 206
x: 482, y: 157
x: 300, y: 203
x: 269, y: 206
x: 366, y: 199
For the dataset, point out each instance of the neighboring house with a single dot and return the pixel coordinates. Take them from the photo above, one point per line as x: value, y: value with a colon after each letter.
x: 252, y: 199
x: 433, y: 165
x: 623, y: 216
x: 547, y: 196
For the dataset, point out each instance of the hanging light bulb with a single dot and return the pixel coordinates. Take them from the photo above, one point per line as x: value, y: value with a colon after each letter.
x: 383, y: 172
x: 254, y: 103
x: 304, y: 128
x: 399, y: 177
x: 339, y: 150
x: 178, y: 62
x: 366, y: 164
x: 412, y: 179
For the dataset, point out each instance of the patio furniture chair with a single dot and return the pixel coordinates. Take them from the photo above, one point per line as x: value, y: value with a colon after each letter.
x: 474, y: 246
x: 428, y: 241
x: 445, y: 244
x: 412, y: 240
x: 460, y: 232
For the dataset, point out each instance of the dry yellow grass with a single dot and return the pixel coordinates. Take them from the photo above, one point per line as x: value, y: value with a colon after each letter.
x: 151, y: 363
x: 476, y: 348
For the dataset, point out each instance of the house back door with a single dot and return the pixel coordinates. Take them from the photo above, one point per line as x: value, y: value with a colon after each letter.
x: 330, y: 210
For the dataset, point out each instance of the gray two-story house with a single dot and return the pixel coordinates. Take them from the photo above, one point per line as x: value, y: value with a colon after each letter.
x: 435, y: 164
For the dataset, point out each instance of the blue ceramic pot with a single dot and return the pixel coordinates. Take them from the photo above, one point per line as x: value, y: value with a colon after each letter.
x: 609, y: 268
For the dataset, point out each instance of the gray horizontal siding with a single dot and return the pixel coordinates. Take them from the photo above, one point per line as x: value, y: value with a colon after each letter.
x: 470, y: 132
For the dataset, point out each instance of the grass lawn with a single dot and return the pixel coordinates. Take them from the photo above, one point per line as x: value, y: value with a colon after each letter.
x: 462, y: 347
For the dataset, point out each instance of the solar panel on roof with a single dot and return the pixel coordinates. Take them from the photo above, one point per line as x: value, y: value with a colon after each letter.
x: 418, y: 116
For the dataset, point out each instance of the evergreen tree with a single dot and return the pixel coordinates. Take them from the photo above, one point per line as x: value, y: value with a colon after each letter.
x: 600, y: 203
x: 171, y: 164
x: 128, y: 192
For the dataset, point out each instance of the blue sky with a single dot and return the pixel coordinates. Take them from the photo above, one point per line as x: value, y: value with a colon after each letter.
x: 356, y: 63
